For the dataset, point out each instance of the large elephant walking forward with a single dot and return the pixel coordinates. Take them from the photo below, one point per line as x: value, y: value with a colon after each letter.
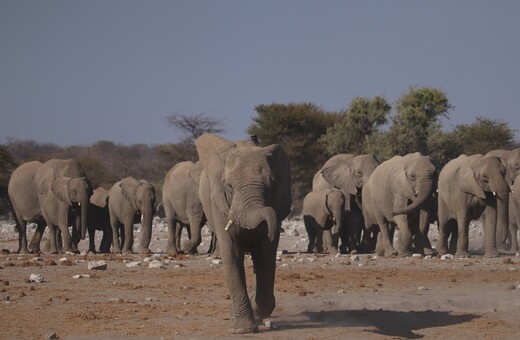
x: 131, y: 201
x: 182, y: 206
x: 399, y: 194
x: 24, y: 201
x: 246, y: 193
x: 468, y: 185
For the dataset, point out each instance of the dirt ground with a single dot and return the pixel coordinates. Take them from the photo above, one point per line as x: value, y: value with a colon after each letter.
x: 318, y: 296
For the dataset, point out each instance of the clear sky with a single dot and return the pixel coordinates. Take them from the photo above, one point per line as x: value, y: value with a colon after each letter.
x: 75, y: 72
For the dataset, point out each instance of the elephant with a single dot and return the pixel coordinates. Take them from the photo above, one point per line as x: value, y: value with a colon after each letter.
x: 182, y: 206
x: 24, y: 202
x: 348, y: 173
x: 131, y: 201
x: 468, y: 185
x: 99, y: 219
x: 399, y: 194
x: 323, y: 211
x: 63, y: 194
x: 514, y: 215
x: 245, y: 192
x: 511, y: 161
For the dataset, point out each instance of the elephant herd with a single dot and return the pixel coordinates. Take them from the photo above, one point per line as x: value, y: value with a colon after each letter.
x: 360, y: 202
x: 242, y: 191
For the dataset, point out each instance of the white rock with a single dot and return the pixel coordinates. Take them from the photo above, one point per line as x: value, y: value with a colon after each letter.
x: 216, y: 261
x: 447, y: 257
x: 155, y: 264
x: 417, y: 255
x: 81, y: 276
x: 354, y: 257
x: 133, y: 264
x: 37, y: 259
x: 97, y: 265
x: 63, y: 259
x: 38, y: 278
x: 422, y: 288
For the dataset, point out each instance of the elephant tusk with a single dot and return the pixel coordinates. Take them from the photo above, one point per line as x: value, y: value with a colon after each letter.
x: 494, y: 193
x: 228, y: 225
x: 142, y: 218
x: 79, y: 204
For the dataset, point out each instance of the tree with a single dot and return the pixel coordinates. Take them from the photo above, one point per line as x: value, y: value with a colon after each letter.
x: 358, y: 123
x: 193, y: 126
x: 418, y: 110
x: 483, y: 136
x: 7, y: 165
x: 297, y: 127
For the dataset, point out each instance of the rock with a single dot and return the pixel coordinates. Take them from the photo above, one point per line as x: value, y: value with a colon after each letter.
x: 422, y: 288
x: 216, y: 261
x: 269, y: 324
x: 63, y: 259
x: 155, y: 264
x: 150, y: 299
x: 97, y: 265
x: 37, y: 259
x: 51, y: 335
x: 81, y: 276
x: 38, y: 278
x: 447, y: 257
x: 417, y: 255
x: 354, y: 257
x: 133, y: 264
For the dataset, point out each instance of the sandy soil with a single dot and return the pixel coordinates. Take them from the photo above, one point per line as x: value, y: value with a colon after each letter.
x: 318, y: 296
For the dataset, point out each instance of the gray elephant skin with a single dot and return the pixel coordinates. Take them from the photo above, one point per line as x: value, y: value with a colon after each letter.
x: 245, y: 191
x: 63, y: 194
x: 131, y: 201
x: 182, y: 206
x: 24, y: 201
x: 348, y: 173
x: 514, y: 216
x: 323, y: 211
x: 399, y: 194
x: 99, y: 219
x: 468, y: 185
x: 511, y: 161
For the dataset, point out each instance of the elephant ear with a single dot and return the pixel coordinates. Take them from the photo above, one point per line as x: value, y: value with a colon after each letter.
x: 337, y: 172
x: 60, y: 187
x: 128, y: 189
x: 212, y: 152
x: 281, y: 197
x: 401, y: 185
x: 195, y: 172
x: 468, y: 181
x: 100, y: 197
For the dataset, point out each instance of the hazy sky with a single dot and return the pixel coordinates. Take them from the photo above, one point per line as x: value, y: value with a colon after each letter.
x: 75, y: 72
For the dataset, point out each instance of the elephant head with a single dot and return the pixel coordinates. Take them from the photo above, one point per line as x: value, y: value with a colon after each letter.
x: 74, y: 192
x: 414, y: 180
x: 249, y: 184
x: 140, y: 194
x: 486, y: 177
x: 511, y: 161
x: 335, y: 205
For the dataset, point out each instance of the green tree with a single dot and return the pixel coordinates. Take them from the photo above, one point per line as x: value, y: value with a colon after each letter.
x: 484, y: 135
x: 297, y: 127
x: 358, y: 123
x: 7, y: 165
x: 418, y: 111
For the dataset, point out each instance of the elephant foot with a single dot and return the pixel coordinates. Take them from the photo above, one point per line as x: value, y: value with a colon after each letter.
x: 389, y: 252
x: 127, y: 251
x: 333, y: 251
x: 442, y: 250
x: 23, y: 251
x: 172, y: 250
x: 492, y: 253
x: 462, y: 254
x: 428, y: 251
x: 243, y: 327
x: 145, y: 251
x: 405, y: 253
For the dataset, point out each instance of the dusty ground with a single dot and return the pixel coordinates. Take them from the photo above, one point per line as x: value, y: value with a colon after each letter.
x: 318, y: 296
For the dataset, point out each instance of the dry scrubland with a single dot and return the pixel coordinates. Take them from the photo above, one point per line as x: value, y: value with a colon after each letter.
x: 318, y: 296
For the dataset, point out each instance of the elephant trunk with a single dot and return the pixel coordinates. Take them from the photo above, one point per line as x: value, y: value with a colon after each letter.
x: 84, y: 218
x: 502, y: 194
x: 425, y: 192
x: 146, y: 227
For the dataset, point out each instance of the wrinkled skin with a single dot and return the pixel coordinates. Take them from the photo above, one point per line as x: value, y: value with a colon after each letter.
x: 514, y: 215
x: 64, y: 195
x: 468, y: 185
x: 511, y: 161
x: 24, y: 201
x: 182, y: 206
x: 349, y: 173
x: 399, y: 195
x: 131, y: 201
x: 323, y: 211
x: 99, y: 219
x: 245, y: 192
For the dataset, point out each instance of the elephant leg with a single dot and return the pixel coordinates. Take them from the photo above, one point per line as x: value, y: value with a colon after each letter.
x: 318, y: 246
x: 384, y: 240
x: 463, y: 237
x: 128, y: 240
x: 513, y: 232
x: 172, y: 237
x: 195, y: 237
x: 53, y: 247
x: 421, y: 240
x: 454, y: 232
x: 490, y: 233
x: 233, y: 258
x: 115, y: 225
x: 442, y: 240
x: 404, y: 242
x: 91, y: 239
x: 310, y: 226
x: 34, y: 246
x: 330, y: 241
x: 106, y: 240
x: 21, y: 227
x: 264, y: 262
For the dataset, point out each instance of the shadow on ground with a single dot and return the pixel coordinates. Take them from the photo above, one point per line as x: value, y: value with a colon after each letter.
x: 388, y: 323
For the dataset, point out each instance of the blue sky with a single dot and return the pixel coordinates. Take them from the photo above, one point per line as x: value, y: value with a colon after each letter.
x: 75, y: 72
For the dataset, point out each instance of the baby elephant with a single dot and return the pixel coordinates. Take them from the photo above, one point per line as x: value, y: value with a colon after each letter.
x: 323, y: 214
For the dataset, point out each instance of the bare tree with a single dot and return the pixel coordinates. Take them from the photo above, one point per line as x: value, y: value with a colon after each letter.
x: 194, y: 125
